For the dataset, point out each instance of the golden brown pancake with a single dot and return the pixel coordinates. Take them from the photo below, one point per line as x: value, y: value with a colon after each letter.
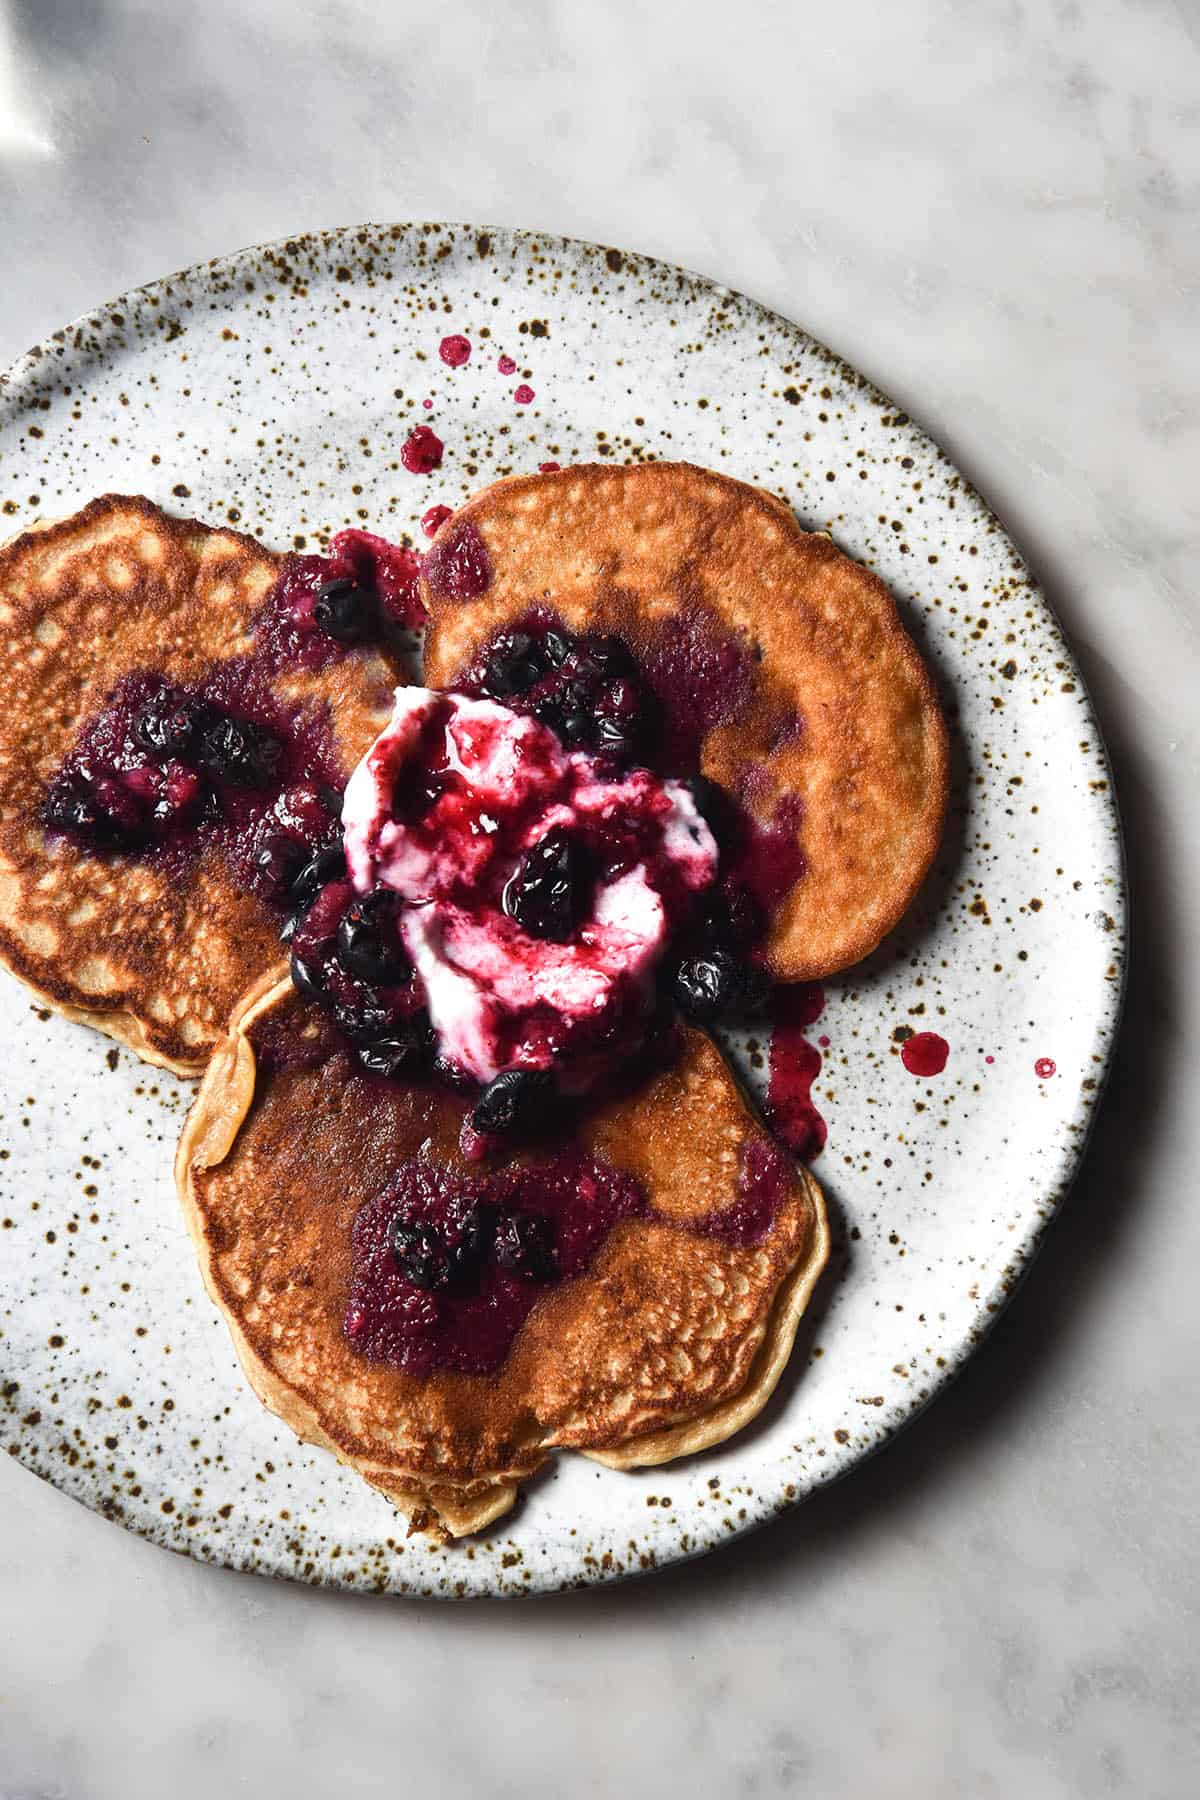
x: 781, y: 665
x: 153, y: 957
x: 671, y: 1339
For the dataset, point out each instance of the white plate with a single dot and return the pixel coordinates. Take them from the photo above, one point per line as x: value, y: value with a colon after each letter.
x: 275, y: 389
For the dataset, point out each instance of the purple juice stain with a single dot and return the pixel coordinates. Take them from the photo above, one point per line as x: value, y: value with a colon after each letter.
x: 764, y: 1178
x: 455, y: 350
x: 701, y: 675
x: 769, y: 859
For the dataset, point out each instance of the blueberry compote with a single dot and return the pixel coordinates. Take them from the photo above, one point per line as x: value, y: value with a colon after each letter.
x: 363, y: 590
x: 447, y: 1268
x: 586, y: 688
x: 592, y: 691
x: 347, y: 955
x: 167, y: 767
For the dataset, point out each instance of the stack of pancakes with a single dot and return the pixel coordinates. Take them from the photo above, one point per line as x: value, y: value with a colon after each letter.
x: 825, y: 724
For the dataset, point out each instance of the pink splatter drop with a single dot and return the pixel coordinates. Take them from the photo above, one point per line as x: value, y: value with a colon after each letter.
x: 455, y: 350
x: 1044, y: 1068
x: 427, y: 404
x: 506, y: 365
x: 924, y: 1054
x: 421, y: 452
x: 434, y: 518
x: 523, y: 394
x: 989, y: 1059
x: 548, y: 468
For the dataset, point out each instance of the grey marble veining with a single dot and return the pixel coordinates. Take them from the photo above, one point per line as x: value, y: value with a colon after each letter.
x: 995, y: 211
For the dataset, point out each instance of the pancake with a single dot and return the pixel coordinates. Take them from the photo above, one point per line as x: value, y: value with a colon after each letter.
x: 780, y: 666
x: 153, y: 952
x: 671, y: 1338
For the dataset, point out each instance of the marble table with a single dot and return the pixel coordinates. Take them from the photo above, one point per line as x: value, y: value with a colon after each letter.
x: 994, y: 210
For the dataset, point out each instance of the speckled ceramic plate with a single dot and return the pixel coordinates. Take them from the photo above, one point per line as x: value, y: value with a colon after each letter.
x: 274, y: 390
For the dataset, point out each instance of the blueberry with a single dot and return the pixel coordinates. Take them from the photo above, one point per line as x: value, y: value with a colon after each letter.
x: 326, y: 866
x: 619, y: 699
x: 363, y: 1017
x: 240, y: 752
x: 549, y: 892
x: 514, y: 663
x: 169, y: 724
x: 71, y: 807
x: 603, y: 655
x: 524, y: 1245
x: 473, y: 1231
x: 368, y: 942
x: 306, y: 977
x: 454, y: 1076
x: 548, y: 711
x: 613, y: 737
x: 718, y: 985
x: 390, y: 1056
x: 345, y: 611
x: 556, y: 647
x: 277, y: 862
x: 576, y: 726
x: 419, y: 1252
x: 512, y: 1100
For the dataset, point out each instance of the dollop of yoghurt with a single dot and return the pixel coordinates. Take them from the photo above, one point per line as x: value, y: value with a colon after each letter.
x: 443, y: 809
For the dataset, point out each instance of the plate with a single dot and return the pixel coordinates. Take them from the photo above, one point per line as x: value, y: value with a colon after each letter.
x: 274, y: 390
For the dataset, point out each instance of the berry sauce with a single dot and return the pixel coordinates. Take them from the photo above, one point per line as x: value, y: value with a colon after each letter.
x: 763, y: 1183
x: 506, y: 365
x: 1045, y: 1067
x: 433, y: 520
x: 458, y: 565
x: 447, y: 1268
x: 548, y: 468
x: 455, y: 350
x: 263, y: 785
x: 523, y: 394
x: 924, y: 1053
x: 165, y: 768
x: 383, y: 577
x: 794, y: 1065
x: 421, y: 451
x: 769, y: 861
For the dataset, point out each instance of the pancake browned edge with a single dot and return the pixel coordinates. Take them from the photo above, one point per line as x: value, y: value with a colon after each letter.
x: 827, y: 702
x: 668, y: 1343
x: 156, y: 963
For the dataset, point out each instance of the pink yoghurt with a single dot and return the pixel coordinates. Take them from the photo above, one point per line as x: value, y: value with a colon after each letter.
x: 442, y: 809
